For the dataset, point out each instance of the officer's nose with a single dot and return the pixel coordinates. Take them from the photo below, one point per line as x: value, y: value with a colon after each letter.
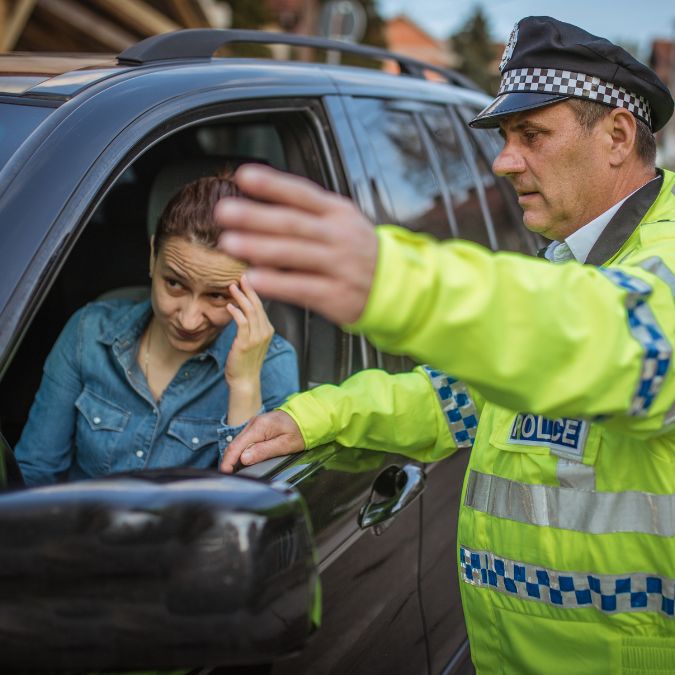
x: 509, y: 161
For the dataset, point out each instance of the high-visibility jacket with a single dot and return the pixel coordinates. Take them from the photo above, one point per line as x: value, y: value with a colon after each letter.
x: 564, y: 385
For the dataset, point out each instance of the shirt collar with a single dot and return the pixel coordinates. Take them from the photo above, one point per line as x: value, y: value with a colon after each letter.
x: 127, y: 322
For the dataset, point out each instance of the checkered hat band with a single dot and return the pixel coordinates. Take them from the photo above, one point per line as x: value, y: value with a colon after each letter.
x: 579, y: 85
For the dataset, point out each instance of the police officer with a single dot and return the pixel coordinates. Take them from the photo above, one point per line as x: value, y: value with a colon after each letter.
x: 563, y: 380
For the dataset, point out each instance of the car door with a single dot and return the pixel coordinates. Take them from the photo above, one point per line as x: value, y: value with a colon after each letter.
x: 406, y: 174
x: 372, y: 620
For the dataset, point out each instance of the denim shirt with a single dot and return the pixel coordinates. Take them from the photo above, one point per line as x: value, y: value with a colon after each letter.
x: 94, y: 413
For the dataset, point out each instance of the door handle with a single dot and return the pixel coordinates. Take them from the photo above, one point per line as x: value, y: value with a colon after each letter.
x: 400, y: 486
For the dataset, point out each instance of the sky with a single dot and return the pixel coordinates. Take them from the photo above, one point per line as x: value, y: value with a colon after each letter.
x: 625, y: 21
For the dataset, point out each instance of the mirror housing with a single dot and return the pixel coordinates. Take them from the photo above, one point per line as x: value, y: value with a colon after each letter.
x: 168, y: 569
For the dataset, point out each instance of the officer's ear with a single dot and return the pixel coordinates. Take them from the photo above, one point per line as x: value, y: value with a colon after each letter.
x: 621, y: 128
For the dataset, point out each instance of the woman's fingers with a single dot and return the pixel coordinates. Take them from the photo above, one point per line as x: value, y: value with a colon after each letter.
x: 245, y: 305
x: 249, y: 302
x: 239, y: 318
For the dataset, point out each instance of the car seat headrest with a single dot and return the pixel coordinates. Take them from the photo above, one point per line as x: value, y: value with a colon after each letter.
x: 172, y: 177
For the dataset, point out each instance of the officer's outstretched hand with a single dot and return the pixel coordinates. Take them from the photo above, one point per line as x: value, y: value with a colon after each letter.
x: 266, y: 436
x: 306, y: 245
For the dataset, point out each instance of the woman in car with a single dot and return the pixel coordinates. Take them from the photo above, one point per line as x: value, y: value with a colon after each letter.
x: 165, y: 382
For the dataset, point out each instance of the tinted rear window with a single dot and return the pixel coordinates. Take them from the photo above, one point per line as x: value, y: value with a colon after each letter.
x: 16, y: 124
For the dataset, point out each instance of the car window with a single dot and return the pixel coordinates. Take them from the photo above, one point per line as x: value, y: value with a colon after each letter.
x: 110, y: 258
x: 501, y: 205
x: 394, y: 138
x: 461, y: 181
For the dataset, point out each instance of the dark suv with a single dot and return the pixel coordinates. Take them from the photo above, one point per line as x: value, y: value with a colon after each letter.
x: 187, y: 568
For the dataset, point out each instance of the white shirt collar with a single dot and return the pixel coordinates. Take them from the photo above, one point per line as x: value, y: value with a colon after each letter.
x: 582, y: 241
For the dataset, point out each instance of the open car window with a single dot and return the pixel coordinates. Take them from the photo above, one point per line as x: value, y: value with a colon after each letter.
x: 110, y: 257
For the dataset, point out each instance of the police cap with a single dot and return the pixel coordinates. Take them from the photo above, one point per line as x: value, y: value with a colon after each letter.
x: 546, y: 61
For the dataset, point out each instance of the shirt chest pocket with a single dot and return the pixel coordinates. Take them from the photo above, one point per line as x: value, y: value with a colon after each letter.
x: 194, y: 435
x: 99, y: 431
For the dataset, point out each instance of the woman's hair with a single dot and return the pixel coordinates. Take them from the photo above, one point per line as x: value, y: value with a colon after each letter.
x: 189, y: 213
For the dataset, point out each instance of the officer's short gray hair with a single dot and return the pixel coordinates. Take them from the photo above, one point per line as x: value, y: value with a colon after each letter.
x: 589, y: 113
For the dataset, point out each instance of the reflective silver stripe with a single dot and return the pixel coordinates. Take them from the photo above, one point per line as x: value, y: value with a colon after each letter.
x: 570, y: 508
x: 458, y: 407
x: 608, y: 593
x: 659, y: 269
x: 645, y: 329
x: 571, y: 474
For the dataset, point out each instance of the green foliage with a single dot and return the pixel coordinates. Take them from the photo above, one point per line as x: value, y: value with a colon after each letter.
x: 477, y: 51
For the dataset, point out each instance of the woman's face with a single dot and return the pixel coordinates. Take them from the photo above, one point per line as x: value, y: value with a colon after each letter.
x: 190, y: 292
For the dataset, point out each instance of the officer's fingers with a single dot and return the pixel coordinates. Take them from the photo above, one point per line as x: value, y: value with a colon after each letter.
x: 270, y: 185
x: 274, y: 426
x: 236, y: 213
x: 338, y: 302
x: 275, y: 447
x: 279, y: 251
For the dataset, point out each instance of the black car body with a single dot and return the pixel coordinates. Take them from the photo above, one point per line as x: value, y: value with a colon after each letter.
x: 83, y: 144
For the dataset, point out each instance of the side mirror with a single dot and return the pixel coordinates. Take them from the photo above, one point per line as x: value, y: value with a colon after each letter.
x: 156, y: 570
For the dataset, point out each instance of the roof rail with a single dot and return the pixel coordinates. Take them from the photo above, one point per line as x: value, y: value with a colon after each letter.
x: 201, y: 43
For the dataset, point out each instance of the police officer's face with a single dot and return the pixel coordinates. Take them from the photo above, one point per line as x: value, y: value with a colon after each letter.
x: 557, y: 168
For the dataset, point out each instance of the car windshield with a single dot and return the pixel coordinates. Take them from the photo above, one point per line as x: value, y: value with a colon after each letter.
x: 17, y: 123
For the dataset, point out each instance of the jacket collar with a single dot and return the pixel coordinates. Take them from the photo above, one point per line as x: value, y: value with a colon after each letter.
x: 624, y: 222
x: 128, y: 322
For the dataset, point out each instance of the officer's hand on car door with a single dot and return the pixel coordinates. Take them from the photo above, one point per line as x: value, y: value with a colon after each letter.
x: 266, y: 436
x: 306, y: 245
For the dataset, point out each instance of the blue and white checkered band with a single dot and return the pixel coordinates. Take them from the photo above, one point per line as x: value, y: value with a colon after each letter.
x: 578, y: 85
x: 608, y: 593
x: 657, y: 351
x: 457, y: 405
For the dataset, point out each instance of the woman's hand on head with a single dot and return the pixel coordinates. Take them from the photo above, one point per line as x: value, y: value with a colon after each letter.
x: 254, y: 334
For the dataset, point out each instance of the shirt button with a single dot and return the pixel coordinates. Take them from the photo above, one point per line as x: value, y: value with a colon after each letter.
x: 228, y: 438
x: 202, y: 357
x: 186, y: 374
x: 97, y: 420
x: 195, y: 440
x: 139, y: 453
